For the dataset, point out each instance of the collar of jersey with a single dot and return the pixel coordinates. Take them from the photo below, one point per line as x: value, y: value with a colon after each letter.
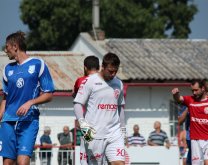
x: 28, y: 59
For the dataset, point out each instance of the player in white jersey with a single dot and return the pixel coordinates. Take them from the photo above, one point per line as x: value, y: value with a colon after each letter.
x: 26, y: 83
x: 104, y: 120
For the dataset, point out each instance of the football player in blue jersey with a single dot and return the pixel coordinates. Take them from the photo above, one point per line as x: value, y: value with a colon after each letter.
x: 26, y: 83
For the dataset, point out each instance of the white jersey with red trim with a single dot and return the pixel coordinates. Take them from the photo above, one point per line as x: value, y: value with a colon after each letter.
x: 198, y: 117
x: 102, y: 100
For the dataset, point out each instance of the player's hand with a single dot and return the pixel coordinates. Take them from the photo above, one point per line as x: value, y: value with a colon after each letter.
x: 175, y: 91
x: 87, y: 131
x: 22, y: 111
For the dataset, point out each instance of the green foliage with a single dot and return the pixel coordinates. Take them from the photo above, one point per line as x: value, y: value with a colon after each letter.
x: 147, y: 18
x: 54, y: 24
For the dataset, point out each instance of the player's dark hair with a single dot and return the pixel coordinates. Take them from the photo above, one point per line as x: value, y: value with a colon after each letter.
x: 112, y: 59
x: 205, y: 81
x: 17, y: 38
x: 91, y: 63
x: 200, y: 82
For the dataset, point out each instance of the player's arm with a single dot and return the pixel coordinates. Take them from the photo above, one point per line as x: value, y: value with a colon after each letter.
x: 121, y: 103
x: 78, y: 110
x: 121, y: 115
x: 122, y: 121
x: 182, y: 117
x: 43, y: 98
x: 79, y: 102
x: 47, y: 89
x: 5, y: 92
x: 2, y: 107
x: 176, y: 95
x: 87, y: 131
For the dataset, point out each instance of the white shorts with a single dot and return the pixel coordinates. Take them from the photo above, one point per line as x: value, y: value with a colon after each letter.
x: 199, y: 151
x: 98, y: 151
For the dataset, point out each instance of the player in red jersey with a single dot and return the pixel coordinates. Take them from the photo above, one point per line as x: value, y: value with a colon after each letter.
x: 91, y: 66
x: 198, y: 108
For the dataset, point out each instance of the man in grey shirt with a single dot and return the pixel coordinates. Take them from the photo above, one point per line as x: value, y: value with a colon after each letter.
x: 65, y: 139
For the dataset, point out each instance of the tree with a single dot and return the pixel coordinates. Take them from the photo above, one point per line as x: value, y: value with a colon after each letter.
x: 54, y: 24
x: 147, y: 18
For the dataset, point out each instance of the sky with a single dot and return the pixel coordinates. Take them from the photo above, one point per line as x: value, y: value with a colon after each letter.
x: 10, y: 20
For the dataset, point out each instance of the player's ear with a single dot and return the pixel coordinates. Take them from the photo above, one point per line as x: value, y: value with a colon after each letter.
x: 16, y: 47
x: 102, y: 67
x: 203, y: 88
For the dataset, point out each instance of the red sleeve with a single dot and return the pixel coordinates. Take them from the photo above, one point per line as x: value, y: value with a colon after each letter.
x: 186, y: 100
x: 77, y: 85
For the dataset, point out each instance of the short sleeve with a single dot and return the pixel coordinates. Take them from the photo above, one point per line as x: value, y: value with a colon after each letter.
x: 5, y: 82
x: 84, y: 92
x: 46, y: 82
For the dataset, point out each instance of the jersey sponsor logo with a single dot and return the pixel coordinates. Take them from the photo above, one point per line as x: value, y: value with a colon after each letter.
x: 116, y: 93
x: 108, y: 107
x: 206, y: 110
x: 20, y: 83
x: 0, y: 145
x: 31, y: 69
x: 195, y: 158
x: 96, y: 156
x: 10, y: 72
x: 199, y: 121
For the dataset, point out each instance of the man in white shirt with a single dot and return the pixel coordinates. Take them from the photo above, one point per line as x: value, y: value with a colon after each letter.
x: 104, y: 121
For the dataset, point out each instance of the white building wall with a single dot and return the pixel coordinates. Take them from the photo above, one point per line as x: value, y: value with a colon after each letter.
x: 144, y: 105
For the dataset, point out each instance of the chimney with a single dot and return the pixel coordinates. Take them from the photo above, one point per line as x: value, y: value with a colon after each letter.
x: 96, y: 14
x: 96, y: 32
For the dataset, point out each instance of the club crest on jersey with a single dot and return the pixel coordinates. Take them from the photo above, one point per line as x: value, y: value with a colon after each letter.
x: 31, y: 69
x: 116, y: 93
x: 206, y: 110
x: 20, y: 83
x: 10, y: 72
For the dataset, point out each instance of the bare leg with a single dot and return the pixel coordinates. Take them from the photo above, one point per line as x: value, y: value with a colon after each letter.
x: 23, y: 160
x: 7, y: 161
x: 117, y: 163
x: 205, y: 162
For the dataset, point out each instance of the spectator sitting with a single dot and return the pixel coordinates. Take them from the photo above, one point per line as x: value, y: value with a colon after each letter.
x: 65, y: 139
x: 136, y: 139
x: 158, y: 137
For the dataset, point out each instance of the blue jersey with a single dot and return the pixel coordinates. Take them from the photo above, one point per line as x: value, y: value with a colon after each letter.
x: 187, y: 121
x: 23, y: 82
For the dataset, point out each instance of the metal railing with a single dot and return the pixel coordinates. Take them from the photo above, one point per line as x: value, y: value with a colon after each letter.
x: 53, y: 157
